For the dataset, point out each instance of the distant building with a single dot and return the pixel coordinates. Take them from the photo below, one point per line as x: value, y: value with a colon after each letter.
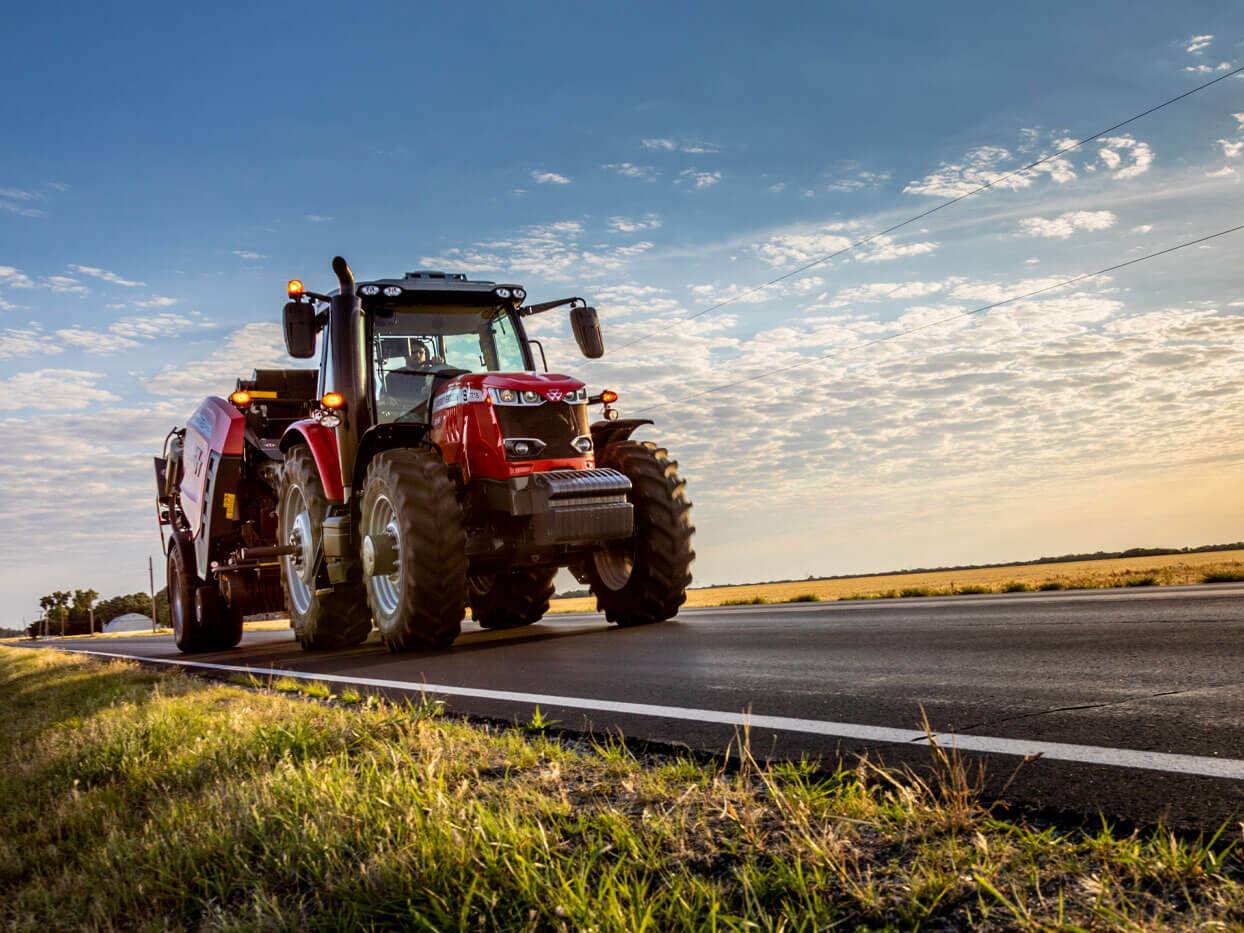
x: 130, y: 622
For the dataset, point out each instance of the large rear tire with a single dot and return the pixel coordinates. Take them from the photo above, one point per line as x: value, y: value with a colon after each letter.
x: 644, y: 579
x: 201, y: 620
x: 330, y: 621
x: 512, y: 598
x: 414, y: 550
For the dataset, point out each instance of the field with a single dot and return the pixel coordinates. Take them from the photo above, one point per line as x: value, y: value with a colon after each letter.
x: 1088, y: 574
x: 139, y: 799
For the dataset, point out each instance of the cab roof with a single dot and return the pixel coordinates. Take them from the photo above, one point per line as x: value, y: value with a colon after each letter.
x: 433, y: 287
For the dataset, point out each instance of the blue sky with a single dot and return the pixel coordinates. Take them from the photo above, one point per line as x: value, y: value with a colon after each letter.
x: 163, y: 171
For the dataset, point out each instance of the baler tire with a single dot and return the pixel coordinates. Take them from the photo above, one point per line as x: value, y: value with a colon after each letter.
x: 200, y: 620
x: 660, y: 550
x: 512, y: 598
x: 420, y: 605
x: 332, y: 621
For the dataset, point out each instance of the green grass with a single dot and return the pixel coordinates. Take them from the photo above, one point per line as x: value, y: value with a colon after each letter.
x: 1224, y: 576
x: 754, y: 601
x: 971, y: 590
x: 1015, y: 587
x: 805, y: 598
x: 1048, y: 585
x: 1147, y: 580
x: 151, y: 800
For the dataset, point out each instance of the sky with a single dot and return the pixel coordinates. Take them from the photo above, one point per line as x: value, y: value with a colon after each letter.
x: 165, y: 169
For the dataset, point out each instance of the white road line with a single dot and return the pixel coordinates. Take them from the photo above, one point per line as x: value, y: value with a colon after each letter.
x: 1199, y: 765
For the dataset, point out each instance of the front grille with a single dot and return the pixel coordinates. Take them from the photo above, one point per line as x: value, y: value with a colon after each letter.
x: 555, y: 423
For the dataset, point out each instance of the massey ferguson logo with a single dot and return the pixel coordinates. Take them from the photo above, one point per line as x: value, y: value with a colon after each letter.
x: 554, y: 395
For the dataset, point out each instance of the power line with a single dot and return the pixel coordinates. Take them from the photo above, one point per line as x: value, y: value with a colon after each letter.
x: 953, y: 317
x: 942, y: 206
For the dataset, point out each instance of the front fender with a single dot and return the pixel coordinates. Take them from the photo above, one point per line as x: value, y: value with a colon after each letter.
x: 605, y: 433
x: 323, y: 444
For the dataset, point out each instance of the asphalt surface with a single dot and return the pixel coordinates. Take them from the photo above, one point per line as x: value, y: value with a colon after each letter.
x: 1130, y: 703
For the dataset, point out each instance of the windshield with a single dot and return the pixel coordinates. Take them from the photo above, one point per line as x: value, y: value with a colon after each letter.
x: 410, y: 346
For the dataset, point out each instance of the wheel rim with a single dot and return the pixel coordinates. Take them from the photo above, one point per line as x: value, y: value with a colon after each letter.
x: 298, y: 567
x: 380, y: 519
x: 615, y: 563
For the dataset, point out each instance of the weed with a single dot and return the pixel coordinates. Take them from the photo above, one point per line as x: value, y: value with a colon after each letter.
x: 1147, y: 580
x: 539, y: 722
x: 1015, y: 587
x: 286, y: 685
x: 805, y: 598
x: 972, y: 590
x: 914, y: 591
x: 753, y: 601
x: 350, y: 696
x: 1049, y: 585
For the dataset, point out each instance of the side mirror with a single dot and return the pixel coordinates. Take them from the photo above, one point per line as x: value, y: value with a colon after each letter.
x: 586, y: 327
x: 300, y: 330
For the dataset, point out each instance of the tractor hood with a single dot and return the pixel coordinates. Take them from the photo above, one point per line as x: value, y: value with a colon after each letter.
x: 551, y: 387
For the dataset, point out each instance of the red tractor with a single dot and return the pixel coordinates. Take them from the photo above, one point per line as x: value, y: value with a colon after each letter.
x: 425, y: 467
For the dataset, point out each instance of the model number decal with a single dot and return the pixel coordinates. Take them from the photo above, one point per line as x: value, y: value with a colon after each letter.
x: 457, y: 395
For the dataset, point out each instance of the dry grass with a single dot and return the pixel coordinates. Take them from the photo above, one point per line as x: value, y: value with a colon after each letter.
x: 1086, y: 574
x: 141, y: 800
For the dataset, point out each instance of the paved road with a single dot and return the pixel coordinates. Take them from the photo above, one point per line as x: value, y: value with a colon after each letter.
x: 1134, y: 700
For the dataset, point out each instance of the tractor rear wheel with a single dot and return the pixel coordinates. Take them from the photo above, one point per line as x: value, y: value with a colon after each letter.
x: 644, y: 578
x: 201, y: 620
x: 511, y: 598
x: 321, y: 621
x: 414, y: 550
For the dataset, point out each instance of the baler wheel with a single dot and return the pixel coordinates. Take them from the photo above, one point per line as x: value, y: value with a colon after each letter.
x: 511, y: 598
x: 201, y: 620
x: 330, y: 621
x: 414, y: 550
x: 644, y: 579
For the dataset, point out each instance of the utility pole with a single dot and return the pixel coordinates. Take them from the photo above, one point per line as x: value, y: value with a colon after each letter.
x: 151, y: 581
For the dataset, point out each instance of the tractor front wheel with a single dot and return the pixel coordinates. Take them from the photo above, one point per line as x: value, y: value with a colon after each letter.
x: 511, y: 598
x: 644, y: 578
x: 413, y: 550
x: 321, y: 621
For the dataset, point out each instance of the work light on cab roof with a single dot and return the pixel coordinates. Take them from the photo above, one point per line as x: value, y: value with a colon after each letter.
x: 430, y: 462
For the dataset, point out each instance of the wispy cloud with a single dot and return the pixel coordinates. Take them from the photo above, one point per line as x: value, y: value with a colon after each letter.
x: 19, y: 201
x: 631, y: 170
x: 156, y: 301
x: 628, y: 225
x: 698, y: 179
x: 15, y: 278
x: 318, y: 218
x: 1197, y: 44
x: 549, y: 178
x: 64, y: 285
x: 105, y: 275
x: 249, y: 255
x: 675, y: 145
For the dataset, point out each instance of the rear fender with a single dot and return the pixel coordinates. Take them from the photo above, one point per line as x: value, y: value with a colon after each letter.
x: 605, y: 433
x: 323, y: 445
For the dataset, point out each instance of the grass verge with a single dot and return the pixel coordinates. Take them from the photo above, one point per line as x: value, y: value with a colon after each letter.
x: 157, y: 800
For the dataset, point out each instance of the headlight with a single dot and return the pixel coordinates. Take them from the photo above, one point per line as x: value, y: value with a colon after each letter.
x: 576, y: 396
x: 501, y: 292
x: 392, y: 291
x: 519, y: 448
x: 369, y: 289
x: 520, y: 293
x: 505, y: 396
x: 582, y: 443
x: 531, y: 398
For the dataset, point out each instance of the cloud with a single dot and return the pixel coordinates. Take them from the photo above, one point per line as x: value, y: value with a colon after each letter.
x: 1064, y: 225
x: 627, y: 225
x: 792, y: 249
x: 248, y: 254
x: 778, y: 187
x: 1143, y: 228
x: 1115, y: 150
x: 1208, y: 69
x: 553, y: 251
x: 54, y: 390
x: 15, y: 278
x: 65, y: 285
x: 1232, y: 148
x: 631, y: 170
x: 699, y: 179
x: 157, y: 301
x: 252, y: 346
x: 549, y: 178
x: 18, y: 201
x: 1196, y: 44
x: 886, y: 291
x: 853, y: 179
x: 674, y: 145
x: 26, y: 341
x: 318, y: 218
x: 1226, y: 171
x: 988, y: 165
x: 105, y: 276
x: 885, y: 249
